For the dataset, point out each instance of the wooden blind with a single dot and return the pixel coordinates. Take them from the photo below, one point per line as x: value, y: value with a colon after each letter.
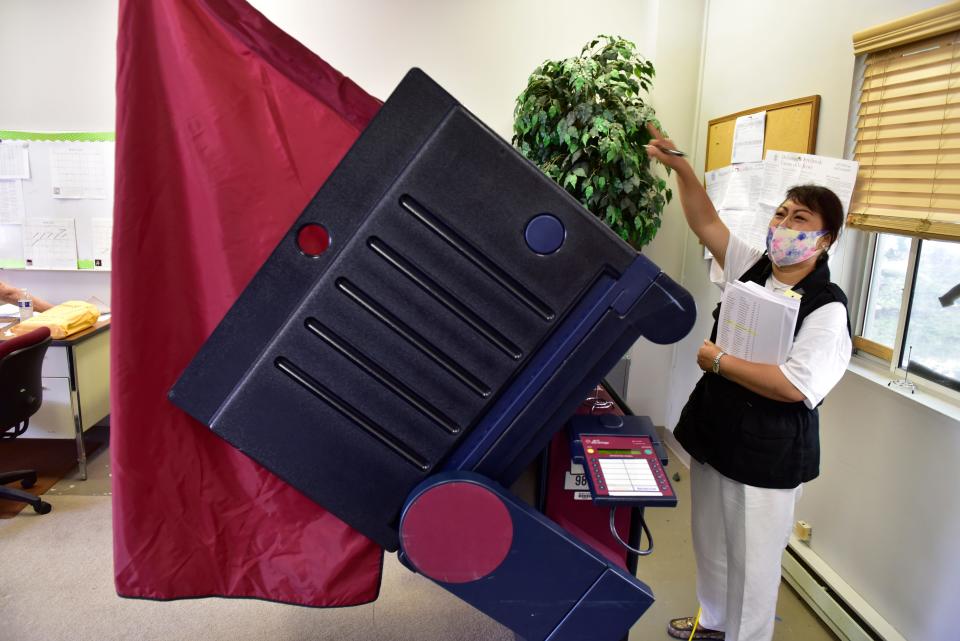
x: 908, y: 141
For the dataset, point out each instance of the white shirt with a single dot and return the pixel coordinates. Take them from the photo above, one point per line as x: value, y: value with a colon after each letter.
x: 821, y: 349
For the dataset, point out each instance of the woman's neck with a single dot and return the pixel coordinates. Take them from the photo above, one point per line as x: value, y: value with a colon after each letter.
x: 793, y: 274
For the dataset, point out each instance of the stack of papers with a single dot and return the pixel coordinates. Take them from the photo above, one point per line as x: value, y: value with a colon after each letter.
x: 757, y: 324
x: 9, y: 310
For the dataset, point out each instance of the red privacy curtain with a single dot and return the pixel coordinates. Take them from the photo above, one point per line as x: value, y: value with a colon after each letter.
x: 226, y: 127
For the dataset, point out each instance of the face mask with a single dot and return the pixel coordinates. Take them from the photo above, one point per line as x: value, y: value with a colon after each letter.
x: 789, y: 247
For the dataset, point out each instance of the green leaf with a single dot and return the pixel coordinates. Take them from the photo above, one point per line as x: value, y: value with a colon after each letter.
x: 581, y: 120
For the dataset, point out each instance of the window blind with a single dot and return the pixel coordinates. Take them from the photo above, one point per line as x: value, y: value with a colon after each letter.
x: 908, y: 140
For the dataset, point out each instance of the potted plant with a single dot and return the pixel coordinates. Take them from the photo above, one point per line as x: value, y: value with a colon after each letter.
x: 582, y: 121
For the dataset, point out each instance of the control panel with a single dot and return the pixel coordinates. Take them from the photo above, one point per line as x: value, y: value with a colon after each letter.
x: 625, y: 470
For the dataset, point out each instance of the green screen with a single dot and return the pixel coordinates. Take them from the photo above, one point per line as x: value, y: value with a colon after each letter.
x: 618, y: 452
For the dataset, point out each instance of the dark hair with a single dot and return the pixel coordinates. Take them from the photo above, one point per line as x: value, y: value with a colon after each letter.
x: 824, y: 202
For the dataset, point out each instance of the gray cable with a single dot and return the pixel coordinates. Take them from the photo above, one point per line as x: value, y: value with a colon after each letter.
x: 643, y: 526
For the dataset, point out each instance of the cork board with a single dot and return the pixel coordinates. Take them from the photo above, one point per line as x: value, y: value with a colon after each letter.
x: 791, y: 126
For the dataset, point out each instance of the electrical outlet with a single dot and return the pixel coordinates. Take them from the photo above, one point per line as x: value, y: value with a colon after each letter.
x: 802, y: 530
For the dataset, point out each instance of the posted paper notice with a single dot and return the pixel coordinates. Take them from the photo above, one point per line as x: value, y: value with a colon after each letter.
x: 748, y: 138
x: 12, y: 209
x: 50, y: 243
x: 78, y: 171
x: 14, y: 160
x: 102, y: 239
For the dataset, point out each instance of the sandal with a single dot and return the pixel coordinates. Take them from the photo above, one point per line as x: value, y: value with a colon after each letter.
x: 681, y: 628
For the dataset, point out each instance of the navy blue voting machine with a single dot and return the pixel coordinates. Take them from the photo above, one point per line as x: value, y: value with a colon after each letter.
x: 430, y: 321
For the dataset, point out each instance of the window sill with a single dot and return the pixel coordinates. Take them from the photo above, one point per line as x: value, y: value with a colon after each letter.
x: 881, y: 376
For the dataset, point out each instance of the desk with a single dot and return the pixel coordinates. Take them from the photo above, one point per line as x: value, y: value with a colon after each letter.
x: 76, y: 388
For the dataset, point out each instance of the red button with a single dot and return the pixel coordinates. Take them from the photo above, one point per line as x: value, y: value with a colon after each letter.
x: 313, y: 239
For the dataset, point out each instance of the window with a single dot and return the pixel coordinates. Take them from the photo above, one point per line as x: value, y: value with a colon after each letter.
x: 907, y: 197
x: 921, y: 279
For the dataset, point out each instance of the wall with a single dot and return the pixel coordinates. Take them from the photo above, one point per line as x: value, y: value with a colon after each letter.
x: 677, y: 58
x: 882, y: 509
x: 57, y: 61
x: 483, y: 53
x: 60, y: 57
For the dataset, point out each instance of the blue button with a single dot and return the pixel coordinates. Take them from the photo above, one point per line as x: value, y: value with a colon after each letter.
x: 545, y: 234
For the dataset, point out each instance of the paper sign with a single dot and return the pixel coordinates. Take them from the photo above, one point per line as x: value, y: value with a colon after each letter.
x: 14, y: 160
x: 748, y: 138
x: 102, y: 240
x: 78, y: 171
x: 12, y: 209
x: 11, y: 247
x: 50, y: 244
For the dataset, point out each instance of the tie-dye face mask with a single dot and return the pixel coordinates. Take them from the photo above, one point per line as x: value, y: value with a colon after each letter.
x: 789, y: 246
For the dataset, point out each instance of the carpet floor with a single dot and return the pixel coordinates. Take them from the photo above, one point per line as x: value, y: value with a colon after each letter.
x: 52, y: 459
x: 56, y: 584
x: 65, y: 592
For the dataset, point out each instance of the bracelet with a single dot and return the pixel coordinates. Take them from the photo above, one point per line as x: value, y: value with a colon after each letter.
x: 716, y: 362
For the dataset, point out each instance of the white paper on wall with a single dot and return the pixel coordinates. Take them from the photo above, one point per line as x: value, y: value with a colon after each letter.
x: 744, y: 187
x: 102, y: 241
x: 11, y: 246
x: 748, y: 135
x: 50, y: 243
x: 12, y: 208
x: 14, y: 160
x: 784, y: 170
x: 78, y: 171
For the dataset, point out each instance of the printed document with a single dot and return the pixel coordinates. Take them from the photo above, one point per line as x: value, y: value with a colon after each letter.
x: 744, y: 187
x: 748, y: 138
x: 11, y: 246
x: 50, y: 243
x: 756, y: 324
x: 14, y: 160
x: 12, y: 209
x: 102, y: 239
x: 78, y: 171
x: 782, y: 170
x: 735, y: 193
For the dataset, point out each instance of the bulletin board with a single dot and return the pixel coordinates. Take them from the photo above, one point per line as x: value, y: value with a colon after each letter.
x: 88, y: 214
x: 791, y: 126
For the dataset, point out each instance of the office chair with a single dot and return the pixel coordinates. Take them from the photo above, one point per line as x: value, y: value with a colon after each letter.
x: 21, y: 393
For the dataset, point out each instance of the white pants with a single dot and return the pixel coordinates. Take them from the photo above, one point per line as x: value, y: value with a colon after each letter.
x: 739, y: 534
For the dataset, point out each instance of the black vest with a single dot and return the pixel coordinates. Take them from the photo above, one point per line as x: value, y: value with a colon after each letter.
x: 747, y: 437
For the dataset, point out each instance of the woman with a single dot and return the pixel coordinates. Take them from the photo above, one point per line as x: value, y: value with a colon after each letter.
x: 752, y: 429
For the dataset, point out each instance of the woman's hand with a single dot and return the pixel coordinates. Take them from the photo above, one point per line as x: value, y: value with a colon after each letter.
x: 765, y: 380
x: 705, y: 355
x: 659, y: 142
x: 697, y: 208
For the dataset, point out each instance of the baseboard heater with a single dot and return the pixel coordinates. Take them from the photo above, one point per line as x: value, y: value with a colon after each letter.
x: 832, y: 599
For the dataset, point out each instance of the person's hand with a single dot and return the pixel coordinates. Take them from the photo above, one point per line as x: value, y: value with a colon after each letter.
x: 658, y: 142
x: 9, y: 294
x: 705, y: 355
